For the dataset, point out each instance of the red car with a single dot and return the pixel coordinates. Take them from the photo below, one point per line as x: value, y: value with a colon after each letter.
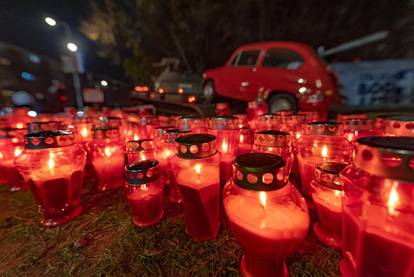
x: 288, y: 75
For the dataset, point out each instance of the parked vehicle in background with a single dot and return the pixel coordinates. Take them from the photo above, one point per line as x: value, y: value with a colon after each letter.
x: 288, y: 75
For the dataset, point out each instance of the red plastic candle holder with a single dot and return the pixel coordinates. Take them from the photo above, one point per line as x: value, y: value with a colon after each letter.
x: 197, y: 166
x: 275, y: 142
x: 139, y: 150
x: 266, y: 122
x: 108, y: 156
x: 399, y: 125
x: 321, y: 142
x: 245, y: 142
x: 196, y: 124
x: 11, y: 145
x: 224, y: 128
x: 256, y: 108
x: 164, y: 156
x: 327, y: 192
x: 83, y: 126
x: 266, y: 214
x: 37, y: 126
x: 378, y: 216
x: 52, y: 165
x: 145, y: 192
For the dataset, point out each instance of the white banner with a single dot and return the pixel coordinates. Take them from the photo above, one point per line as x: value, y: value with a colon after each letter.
x: 386, y: 82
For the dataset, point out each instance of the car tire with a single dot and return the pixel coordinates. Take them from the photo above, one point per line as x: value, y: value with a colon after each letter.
x: 209, y: 91
x: 282, y: 101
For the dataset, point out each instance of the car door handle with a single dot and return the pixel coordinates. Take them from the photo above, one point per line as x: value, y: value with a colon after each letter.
x: 244, y: 84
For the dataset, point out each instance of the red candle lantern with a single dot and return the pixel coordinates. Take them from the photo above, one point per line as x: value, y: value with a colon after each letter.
x: 164, y: 156
x: 145, y: 192
x: 107, y: 155
x: 160, y: 134
x: 222, y: 109
x: 197, y: 166
x: 380, y: 121
x: 139, y: 150
x: 378, y: 216
x: 313, y: 116
x: 266, y: 122
x: 11, y: 145
x: 400, y: 125
x: 37, y: 126
x: 111, y: 122
x: 358, y: 128
x: 327, y: 192
x: 275, y: 142
x: 321, y: 142
x: 346, y: 117
x: 244, y: 144
x: 83, y: 127
x: 256, y: 108
x: 266, y: 214
x: 52, y: 165
x: 224, y: 128
x: 196, y: 124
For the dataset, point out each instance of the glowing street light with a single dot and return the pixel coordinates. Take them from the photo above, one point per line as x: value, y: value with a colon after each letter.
x: 50, y: 21
x: 72, y: 47
x: 104, y: 83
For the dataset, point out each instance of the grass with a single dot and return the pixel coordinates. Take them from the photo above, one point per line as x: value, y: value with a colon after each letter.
x: 103, y: 241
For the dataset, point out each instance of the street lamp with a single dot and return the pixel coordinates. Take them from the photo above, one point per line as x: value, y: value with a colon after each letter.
x: 73, y: 48
x: 104, y: 83
x: 50, y: 21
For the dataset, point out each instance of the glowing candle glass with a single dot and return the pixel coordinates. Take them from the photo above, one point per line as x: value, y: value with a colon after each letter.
x: 399, y: 125
x: 327, y: 192
x: 164, y: 156
x: 196, y: 124
x: 266, y: 122
x: 52, y: 165
x: 275, y: 142
x: 198, y: 164
x: 244, y: 144
x: 255, y: 108
x: 378, y: 216
x: 37, y: 126
x: 83, y: 127
x: 266, y: 214
x: 224, y: 128
x: 321, y: 142
x: 107, y: 154
x: 359, y: 128
x: 139, y: 150
x: 145, y: 192
x: 11, y: 145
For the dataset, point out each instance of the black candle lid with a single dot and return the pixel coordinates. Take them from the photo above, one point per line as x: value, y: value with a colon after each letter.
x: 6, y: 133
x: 388, y: 157
x: 142, y: 172
x: 105, y: 132
x: 48, y: 139
x: 37, y: 126
x: 323, y: 128
x: 139, y: 145
x: 222, y: 123
x: 327, y: 174
x: 259, y: 171
x: 272, y: 138
x: 196, y: 146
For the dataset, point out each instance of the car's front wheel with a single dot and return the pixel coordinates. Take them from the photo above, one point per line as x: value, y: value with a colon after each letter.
x: 209, y: 91
x: 281, y: 102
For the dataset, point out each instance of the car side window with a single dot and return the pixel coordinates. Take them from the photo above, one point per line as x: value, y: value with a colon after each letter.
x: 246, y: 58
x: 282, y: 58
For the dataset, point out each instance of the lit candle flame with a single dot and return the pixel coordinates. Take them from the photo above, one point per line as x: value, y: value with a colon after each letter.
x: 107, y: 151
x: 143, y: 158
x: 167, y: 153
x: 144, y: 187
x: 84, y: 132
x: 393, y: 200
x: 324, y: 152
x: 51, y: 163
x: 297, y: 135
x: 19, y: 125
x: 1, y: 155
x: 263, y: 199
x: 241, y: 138
x: 224, y: 146
x: 197, y: 168
x: 17, y: 151
x: 136, y: 137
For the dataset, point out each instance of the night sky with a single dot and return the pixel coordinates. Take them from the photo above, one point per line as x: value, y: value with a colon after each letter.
x: 21, y: 23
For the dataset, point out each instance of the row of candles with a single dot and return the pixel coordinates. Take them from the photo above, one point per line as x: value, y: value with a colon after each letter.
x: 358, y: 175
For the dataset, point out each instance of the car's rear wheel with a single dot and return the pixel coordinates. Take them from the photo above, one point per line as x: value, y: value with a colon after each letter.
x: 209, y: 91
x: 281, y: 102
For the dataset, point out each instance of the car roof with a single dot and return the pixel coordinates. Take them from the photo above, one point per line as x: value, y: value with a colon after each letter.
x: 269, y: 44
